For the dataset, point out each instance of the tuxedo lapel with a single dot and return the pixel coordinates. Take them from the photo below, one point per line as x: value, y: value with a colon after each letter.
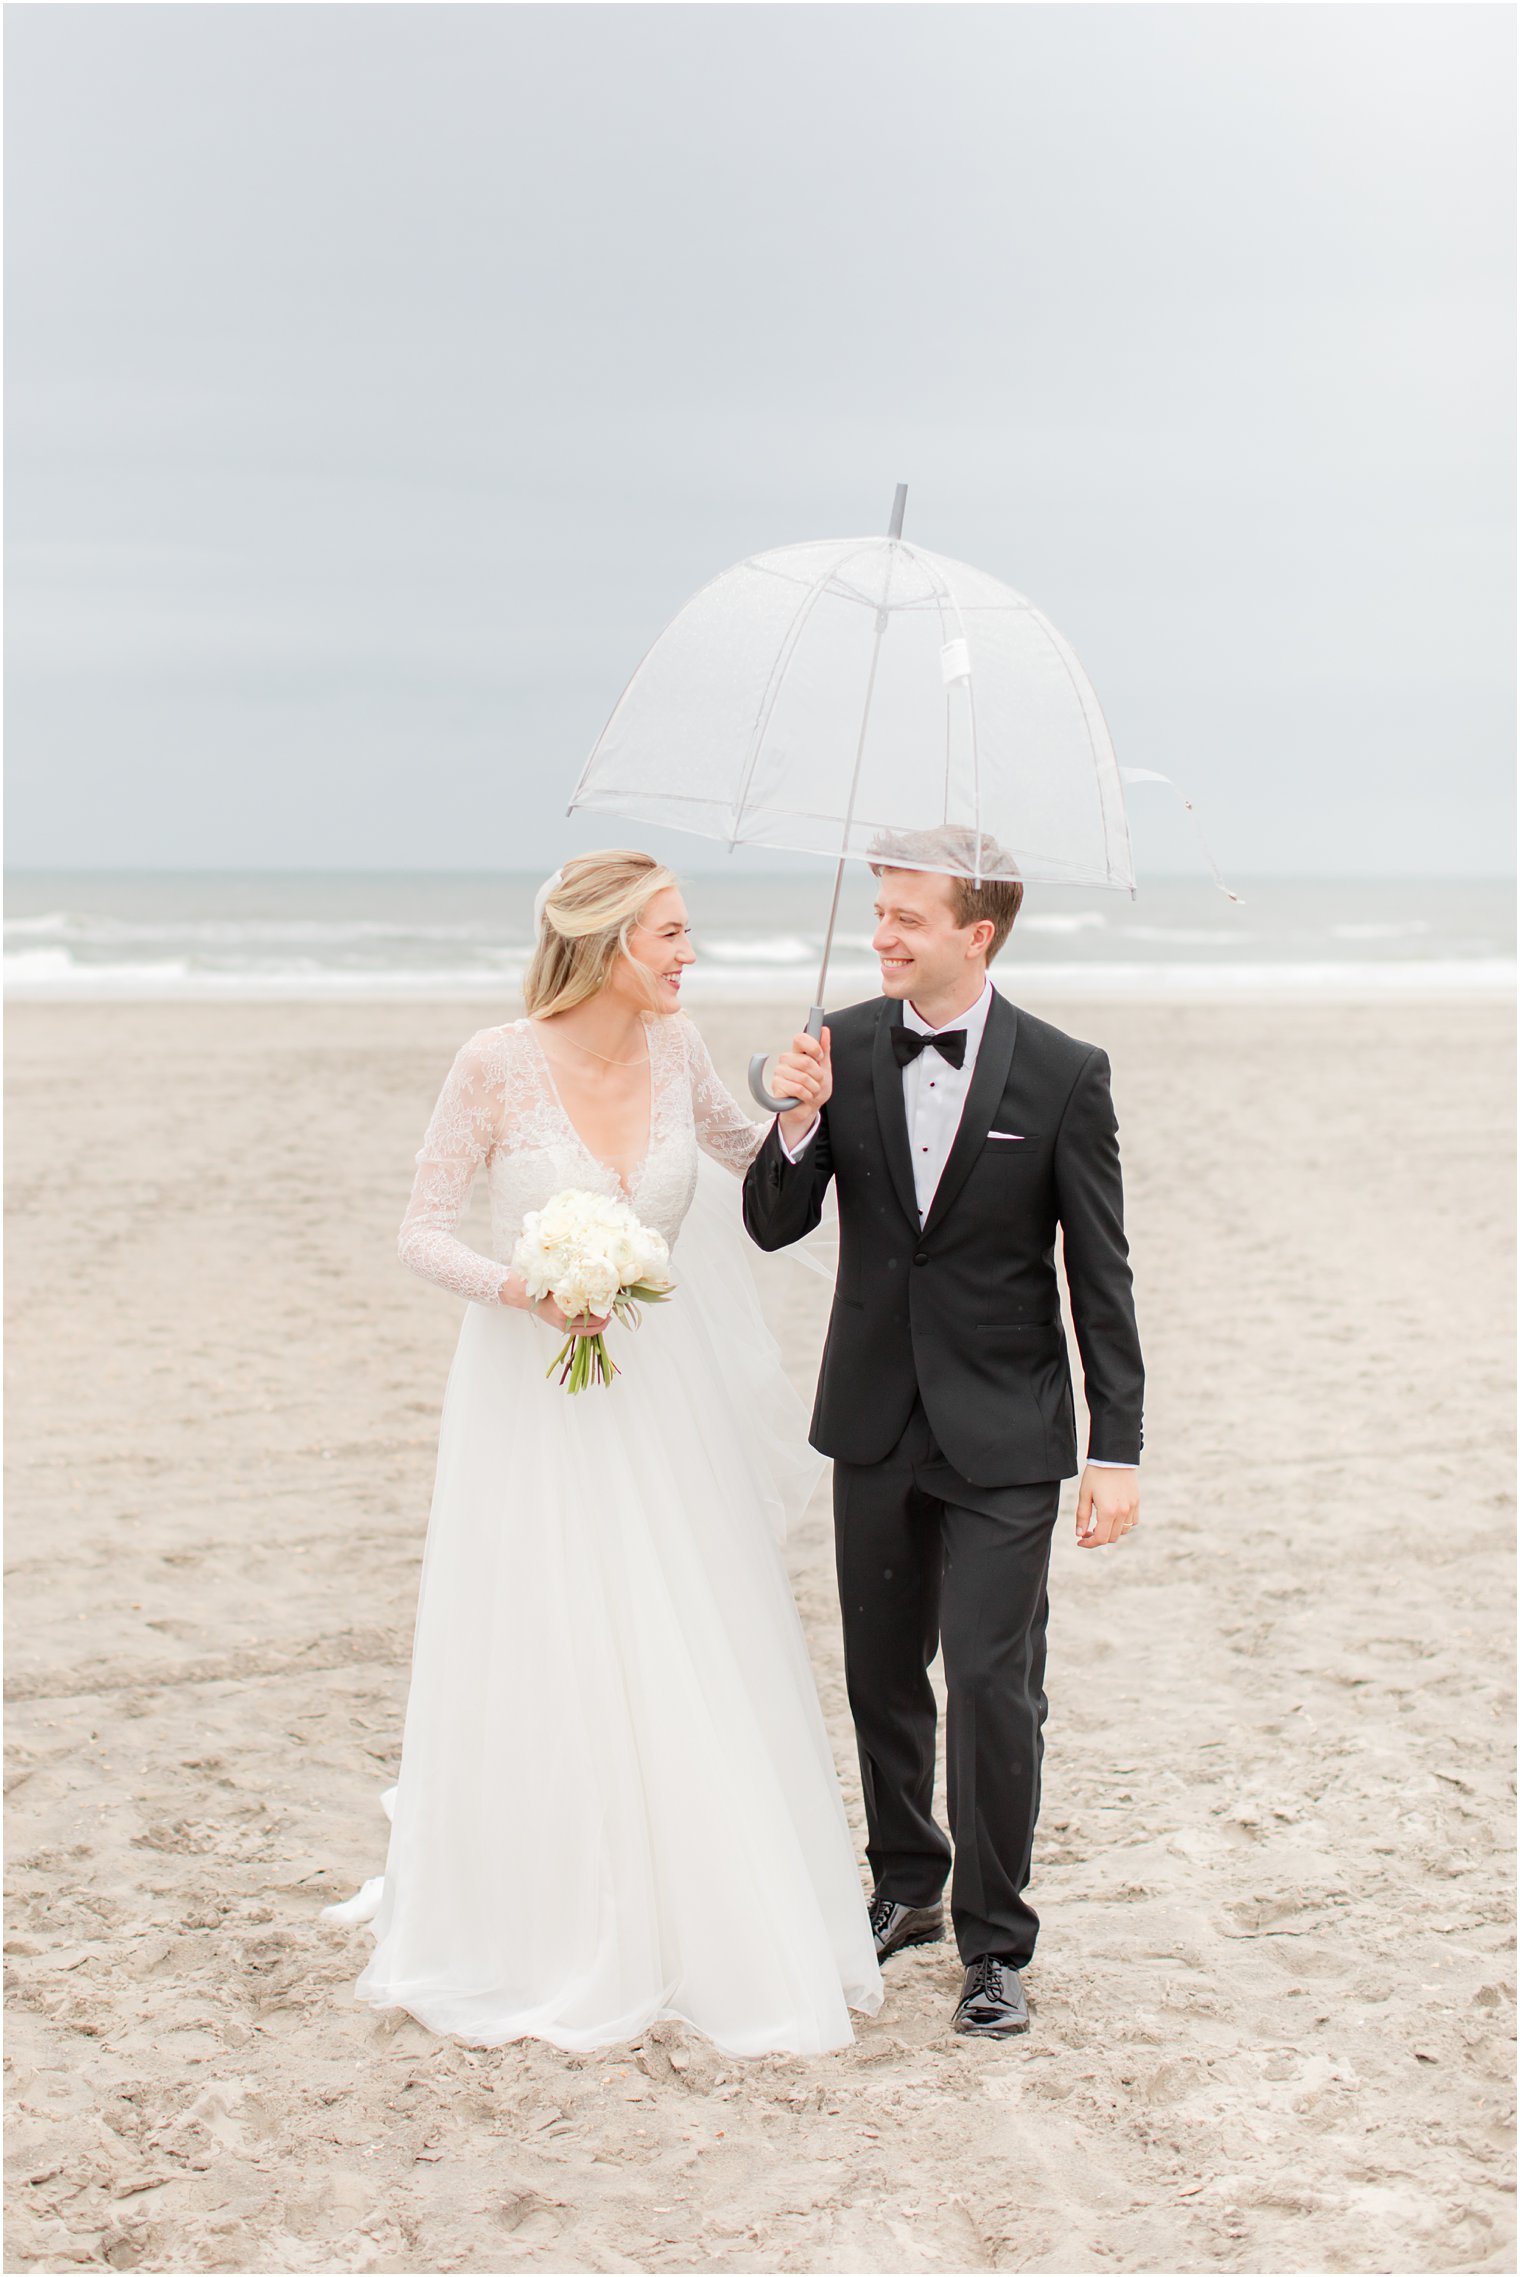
x: 993, y: 1061
x: 891, y: 1113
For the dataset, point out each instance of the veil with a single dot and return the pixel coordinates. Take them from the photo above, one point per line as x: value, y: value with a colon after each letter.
x: 714, y: 1263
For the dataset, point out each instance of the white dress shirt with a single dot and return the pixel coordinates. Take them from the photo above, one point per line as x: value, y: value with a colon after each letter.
x: 934, y: 1095
x: 934, y: 1099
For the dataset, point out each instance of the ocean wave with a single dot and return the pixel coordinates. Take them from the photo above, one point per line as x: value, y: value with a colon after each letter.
x: 52, y: 973
x: 55, y: 922
x: 56, y: 968
x: 766, y: 949
x: 1203, y: 936
x: 95, y: 931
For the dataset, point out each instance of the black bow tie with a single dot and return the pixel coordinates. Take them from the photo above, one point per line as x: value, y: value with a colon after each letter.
x: 907, y: 1043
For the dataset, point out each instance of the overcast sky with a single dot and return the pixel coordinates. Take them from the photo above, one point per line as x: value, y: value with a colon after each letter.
x: 382, y: 378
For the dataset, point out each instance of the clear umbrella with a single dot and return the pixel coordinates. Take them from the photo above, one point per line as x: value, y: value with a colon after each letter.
x: 844, y: 696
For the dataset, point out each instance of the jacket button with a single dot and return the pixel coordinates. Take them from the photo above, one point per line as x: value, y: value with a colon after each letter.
x: 922, y: 1258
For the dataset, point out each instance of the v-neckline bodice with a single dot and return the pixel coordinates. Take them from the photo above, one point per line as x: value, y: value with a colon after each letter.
x: 627, y: 1187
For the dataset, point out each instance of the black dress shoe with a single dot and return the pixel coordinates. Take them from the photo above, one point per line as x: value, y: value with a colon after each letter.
x: 992, y: 2001
x: 897, y: 1926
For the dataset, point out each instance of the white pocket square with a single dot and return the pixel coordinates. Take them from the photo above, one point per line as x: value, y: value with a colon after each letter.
x: 1007, y: 1134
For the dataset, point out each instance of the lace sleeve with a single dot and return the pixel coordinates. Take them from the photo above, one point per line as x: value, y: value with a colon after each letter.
x: 723, y: 1129
x: 465, y: 1125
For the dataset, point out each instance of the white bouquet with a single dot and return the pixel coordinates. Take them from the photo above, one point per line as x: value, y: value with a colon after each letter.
x: 591, y: 1255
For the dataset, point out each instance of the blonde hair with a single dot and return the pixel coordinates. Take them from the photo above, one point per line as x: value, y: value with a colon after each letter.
x: 585, y: 925
x: 956, y: 854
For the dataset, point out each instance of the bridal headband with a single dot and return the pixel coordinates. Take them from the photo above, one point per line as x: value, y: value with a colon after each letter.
x: 544, y: 896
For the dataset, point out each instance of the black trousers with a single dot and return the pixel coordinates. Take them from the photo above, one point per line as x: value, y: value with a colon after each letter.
x: 925, y: 1557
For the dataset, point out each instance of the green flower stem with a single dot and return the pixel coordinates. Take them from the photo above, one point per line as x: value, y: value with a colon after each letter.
x: 584, y: 1360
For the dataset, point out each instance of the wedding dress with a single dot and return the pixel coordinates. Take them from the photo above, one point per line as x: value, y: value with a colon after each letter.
x: 617, y: 1800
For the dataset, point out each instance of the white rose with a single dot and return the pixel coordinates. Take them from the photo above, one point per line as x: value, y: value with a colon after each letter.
x: 584, y: 1249
x: 652, y: 1258
x: 570, y: 1296
x: 535, y: 1266
x: 558, y: 1219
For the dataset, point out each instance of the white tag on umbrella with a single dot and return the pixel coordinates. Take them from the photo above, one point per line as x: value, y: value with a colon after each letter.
x: 955, y: 662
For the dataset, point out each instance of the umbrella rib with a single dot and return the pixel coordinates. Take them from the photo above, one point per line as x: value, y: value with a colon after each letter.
x: 769, y: 694
x: 763, y: 568
x: 779, y: 669
x: 1055, y: 641
x: 976, y: 752
x: 585, y: 773
x: 860, y: 752
x: 943, y: 636
x: 946, y: 592
x: 941, y: 595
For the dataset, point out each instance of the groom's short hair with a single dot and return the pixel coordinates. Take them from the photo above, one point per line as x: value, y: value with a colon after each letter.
x: 957, y: 854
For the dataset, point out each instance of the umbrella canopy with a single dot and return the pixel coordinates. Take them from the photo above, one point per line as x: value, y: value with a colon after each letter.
x: 833, y: 697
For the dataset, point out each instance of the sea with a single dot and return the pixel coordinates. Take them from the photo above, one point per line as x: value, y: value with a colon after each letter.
x: 332, y: 936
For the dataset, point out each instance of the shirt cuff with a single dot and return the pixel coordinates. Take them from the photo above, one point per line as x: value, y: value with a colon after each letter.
x: 806, y: 1139
x: 1096, y: 1462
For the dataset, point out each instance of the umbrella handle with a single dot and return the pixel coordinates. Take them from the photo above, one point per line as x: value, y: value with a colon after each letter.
x: 757, y: 1086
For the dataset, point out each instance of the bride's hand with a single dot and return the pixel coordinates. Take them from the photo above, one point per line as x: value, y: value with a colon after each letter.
x: 514, y: 1291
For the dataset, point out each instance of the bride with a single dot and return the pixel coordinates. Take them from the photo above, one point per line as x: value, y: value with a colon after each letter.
x: 616, y: 1799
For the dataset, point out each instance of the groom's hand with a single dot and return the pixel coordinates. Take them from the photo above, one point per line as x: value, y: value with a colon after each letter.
x: 1108, y: 1506
x: 805, y: 1073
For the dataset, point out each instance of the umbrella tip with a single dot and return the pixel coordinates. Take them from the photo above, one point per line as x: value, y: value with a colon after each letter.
x: 898, y: 504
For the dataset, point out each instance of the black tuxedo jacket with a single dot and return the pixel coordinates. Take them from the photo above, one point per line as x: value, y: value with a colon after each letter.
x: 964, y: 1309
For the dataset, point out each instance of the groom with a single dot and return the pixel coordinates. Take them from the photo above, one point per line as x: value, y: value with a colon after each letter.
x: 961, y: 1132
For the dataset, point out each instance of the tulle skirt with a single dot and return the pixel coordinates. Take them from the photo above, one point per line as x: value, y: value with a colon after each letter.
x: 617, y: 1799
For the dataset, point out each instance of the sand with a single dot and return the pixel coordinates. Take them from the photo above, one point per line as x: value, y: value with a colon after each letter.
x: 1273, y: 1998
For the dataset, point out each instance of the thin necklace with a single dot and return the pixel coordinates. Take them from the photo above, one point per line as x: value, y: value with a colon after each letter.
x: 638, y: 1062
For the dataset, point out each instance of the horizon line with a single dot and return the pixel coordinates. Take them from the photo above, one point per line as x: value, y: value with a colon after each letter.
x: 415, y: 870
